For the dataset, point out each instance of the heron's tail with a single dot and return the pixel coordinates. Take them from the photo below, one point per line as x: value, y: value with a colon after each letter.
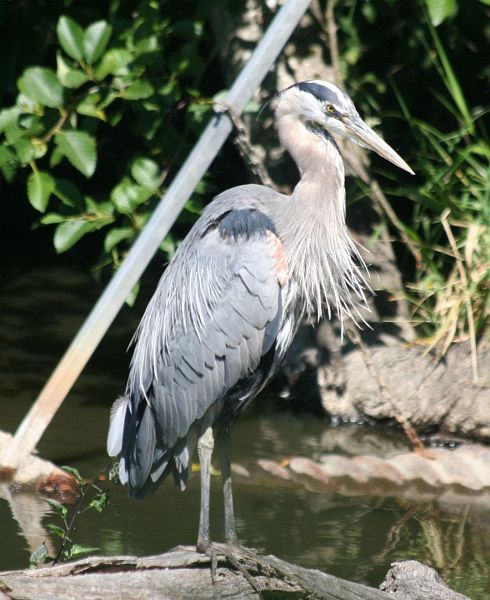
x: 143, y: 462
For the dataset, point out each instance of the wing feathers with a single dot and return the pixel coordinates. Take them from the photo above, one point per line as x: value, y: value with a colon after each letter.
x: 143, y: 449
x: 117, y: 426
x: 216, y: 311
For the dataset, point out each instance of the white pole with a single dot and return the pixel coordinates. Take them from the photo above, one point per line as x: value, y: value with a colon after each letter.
x: 107, y: 307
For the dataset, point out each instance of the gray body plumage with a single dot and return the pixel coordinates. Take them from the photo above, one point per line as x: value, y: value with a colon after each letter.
x: 216, y: 313
x: 228, y: 304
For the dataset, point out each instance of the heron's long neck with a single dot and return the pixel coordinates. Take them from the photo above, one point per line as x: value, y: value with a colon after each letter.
x: 322, y: 256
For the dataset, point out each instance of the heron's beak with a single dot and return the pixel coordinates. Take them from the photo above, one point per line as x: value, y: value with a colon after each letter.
x: 365, y: 136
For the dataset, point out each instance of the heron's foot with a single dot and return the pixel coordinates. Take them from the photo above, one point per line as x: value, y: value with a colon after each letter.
x: 212, y: 552
x: 242, y: 559
x: 251, y: 559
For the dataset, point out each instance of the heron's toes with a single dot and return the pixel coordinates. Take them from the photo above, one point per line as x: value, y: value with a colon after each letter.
x: 245, y: 561
x: 242, y: 559
x: 212, y: 552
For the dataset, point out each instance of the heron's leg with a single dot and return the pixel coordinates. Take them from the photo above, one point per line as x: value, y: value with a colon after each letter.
x: 224, y: 441
x: 205, y: 447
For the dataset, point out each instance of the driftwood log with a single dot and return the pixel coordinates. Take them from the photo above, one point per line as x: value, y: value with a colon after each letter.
x: 183, y: 573
x: 384, y: 378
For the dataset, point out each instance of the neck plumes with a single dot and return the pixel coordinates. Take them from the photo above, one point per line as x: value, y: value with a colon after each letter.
x: 323, y: 259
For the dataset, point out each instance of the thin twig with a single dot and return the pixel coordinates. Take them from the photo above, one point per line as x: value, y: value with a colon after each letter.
x: 381, y: 200
x: 333, y: 43
x: 244, y: 146
x: 466, y: 292
x: 84, y: 490
x: 57, y: 127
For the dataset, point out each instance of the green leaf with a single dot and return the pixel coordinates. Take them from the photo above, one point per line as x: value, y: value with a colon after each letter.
x: 8, y: 117
x: 8, y: 163
x: 25, y: 103
x: 31, y: 125
x: 148, y: 45
x: 78, y: 550
x: 172, y: 89
x: 452, y: 82
x: 56, y: 157
x: 440, y: 10
x: 104, y: 209
x: 88, y: 107
x: 70, y: 78
x: 69, y: 233
x: 39, y: 556
x: 95, y: 40
x: 80, y: 149
x: 52, y: 218
x: 127, y: 196
x: 193, y: 206
x: 70, y: 35
x: 13, y: 133
x: 40, y: 186
x: 27, y: 151
x: 68, y: 193
x: 107, y: 98
x: 138, y: 90
x: 74, y: 79
x: 100, y: 501
x: 116, y: 235
x: 55, y: 530
x: 114, y: 62
x: 168, y: 245
x: 146, y: 172
x: 74, y: 472
x: 40, y: 148
x: 133, y: 294
x: 42, y: 86
x: 58, y: 507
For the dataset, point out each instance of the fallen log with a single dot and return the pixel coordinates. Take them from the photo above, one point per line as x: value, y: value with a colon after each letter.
x: 388, y: 379
x: 184, y: 573
x: 412, y: 579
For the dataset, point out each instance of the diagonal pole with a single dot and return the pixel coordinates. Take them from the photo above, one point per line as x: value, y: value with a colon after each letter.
x: 105, y: 310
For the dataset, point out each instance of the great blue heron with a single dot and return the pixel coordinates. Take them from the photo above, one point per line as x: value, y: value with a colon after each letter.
x: 229, y: 303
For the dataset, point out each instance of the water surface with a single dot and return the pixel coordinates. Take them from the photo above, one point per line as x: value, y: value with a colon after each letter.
x: 354, y: 535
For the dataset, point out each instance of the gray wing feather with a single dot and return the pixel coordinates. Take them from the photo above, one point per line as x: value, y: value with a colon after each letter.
x: 215, y: 342
x: 143, y: 449
x: 233, y: 368
x: 244, y: 358
x: 203, y: 331
x: 116, y: 427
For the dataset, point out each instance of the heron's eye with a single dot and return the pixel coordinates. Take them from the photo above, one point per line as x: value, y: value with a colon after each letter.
x: 330, y: 108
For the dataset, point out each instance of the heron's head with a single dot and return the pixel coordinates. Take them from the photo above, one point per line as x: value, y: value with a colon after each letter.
x: 323, y: 106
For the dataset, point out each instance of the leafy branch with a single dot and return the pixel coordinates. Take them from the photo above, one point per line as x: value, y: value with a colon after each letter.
x: 113, y: 108
x: 91, y: 496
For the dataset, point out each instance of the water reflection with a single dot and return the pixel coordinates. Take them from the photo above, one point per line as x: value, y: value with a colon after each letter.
x: 352, y: 535
x: 28, y: 510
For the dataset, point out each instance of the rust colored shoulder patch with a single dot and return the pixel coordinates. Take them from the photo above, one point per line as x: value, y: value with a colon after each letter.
x: 281, y: 267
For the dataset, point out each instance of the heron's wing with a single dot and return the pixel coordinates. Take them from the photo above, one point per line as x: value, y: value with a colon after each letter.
x: 214, y: 316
